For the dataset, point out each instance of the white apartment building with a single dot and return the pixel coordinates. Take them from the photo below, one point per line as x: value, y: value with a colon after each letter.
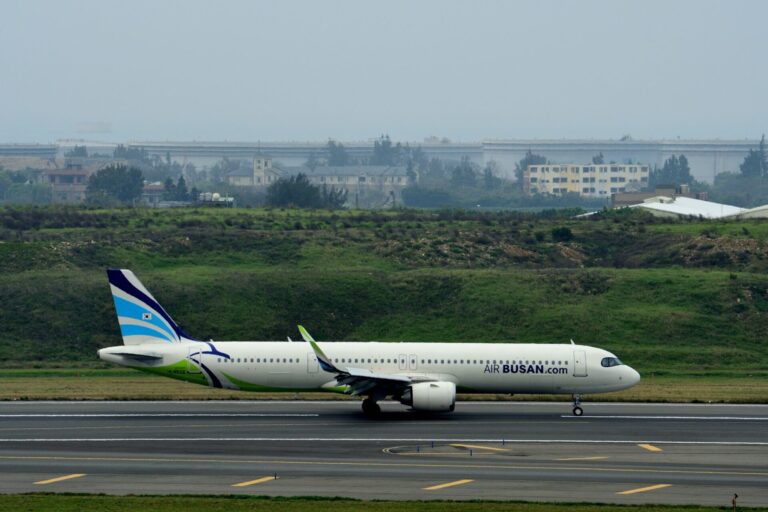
x: 594, y: 180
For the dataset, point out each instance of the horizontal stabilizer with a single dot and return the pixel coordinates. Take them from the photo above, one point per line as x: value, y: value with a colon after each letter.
x: 137, y: 354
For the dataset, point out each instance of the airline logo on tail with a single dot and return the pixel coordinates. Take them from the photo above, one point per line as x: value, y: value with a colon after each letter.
x: 141, y: 318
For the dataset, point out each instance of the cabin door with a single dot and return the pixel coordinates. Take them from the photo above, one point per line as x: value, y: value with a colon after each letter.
x: 311, y: 363
x: 403, y: 362
x: 194, y: 359
x: 579, y: 363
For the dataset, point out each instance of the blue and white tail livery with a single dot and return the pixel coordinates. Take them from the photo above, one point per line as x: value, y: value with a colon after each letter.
x: 142, y: 319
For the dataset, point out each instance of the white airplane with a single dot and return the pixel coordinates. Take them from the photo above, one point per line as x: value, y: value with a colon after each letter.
x: 423, y: 376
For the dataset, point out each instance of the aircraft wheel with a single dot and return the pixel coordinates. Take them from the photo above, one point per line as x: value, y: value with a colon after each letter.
x: 371, y: 408
x: 578, y: 411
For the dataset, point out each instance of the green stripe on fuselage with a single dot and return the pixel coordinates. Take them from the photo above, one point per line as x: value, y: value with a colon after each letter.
x: 178, y: 371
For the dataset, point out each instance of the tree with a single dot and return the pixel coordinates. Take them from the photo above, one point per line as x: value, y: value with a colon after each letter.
x: 490, y: 180
x: 170, y: 189
x: 116, y: 183
x: 755, y: 164
x: 123, y: 153
x: 77, y: 151
x: 182, y: 194
x: 313, y: 161
x: 598, y: 159
x: 384, y: 153
x: 675, y: 171
x: 529, y: 159
x: 463, y: 175
x: 337, y: 155
x: 333, y: 197
x: 297, y: 191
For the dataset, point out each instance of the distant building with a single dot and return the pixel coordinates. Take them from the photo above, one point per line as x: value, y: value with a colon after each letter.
x: 677, y: 207
x: 594, y: 180
x: 367, y: 186
x: 629, y: 198
x: 152, y: 193
x: 68, y: 185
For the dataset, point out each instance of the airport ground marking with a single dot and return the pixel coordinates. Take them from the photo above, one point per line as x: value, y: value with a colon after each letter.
x: 164, y: 415
x: 388, y: 464
x: 645, y: 489
x: 650, y: 447
x: 59, y: 479
x: 646, y: 417
x: 479, y: 447
x: 254, y: 482
x: 599, y: 457
x: 447, y: 484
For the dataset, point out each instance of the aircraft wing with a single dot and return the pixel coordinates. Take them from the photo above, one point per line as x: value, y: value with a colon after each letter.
x: 359, y: 380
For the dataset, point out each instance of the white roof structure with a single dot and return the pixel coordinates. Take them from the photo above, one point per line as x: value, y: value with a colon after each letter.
x: 686, y: 206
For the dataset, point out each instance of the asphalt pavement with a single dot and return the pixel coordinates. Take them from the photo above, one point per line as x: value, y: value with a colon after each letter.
x: 619, y: 453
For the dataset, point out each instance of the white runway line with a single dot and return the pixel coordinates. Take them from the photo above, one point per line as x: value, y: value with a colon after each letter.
x: 372, y: 440
x: 638, y: 417
x: 162, y: 415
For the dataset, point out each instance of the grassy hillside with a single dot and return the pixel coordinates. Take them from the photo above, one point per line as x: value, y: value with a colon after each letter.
x: 669, y: 298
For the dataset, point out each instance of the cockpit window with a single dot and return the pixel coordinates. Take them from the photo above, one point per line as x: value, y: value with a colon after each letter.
x: 607, y: 362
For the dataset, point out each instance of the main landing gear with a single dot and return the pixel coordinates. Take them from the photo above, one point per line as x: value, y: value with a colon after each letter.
x: 370, y: 407
x: 577, y: 411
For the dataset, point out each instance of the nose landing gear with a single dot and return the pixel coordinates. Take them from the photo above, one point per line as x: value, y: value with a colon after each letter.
x: 577, y: 411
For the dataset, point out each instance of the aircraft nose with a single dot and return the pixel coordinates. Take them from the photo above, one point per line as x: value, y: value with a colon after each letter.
x: 633, y: 377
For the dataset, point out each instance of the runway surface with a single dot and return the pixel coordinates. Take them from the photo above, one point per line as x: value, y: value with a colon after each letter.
x: 622, y: 453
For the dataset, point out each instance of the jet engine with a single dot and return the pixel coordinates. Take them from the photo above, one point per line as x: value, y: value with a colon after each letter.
x: 430, y: 396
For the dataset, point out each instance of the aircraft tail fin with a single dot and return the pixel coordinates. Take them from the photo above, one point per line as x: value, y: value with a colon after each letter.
x: 142, y: 319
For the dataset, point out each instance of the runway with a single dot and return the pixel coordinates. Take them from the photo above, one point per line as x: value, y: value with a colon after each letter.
x: 620, y: 453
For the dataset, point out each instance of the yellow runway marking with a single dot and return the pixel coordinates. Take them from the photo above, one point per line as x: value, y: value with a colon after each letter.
x: 650, y: 447
x: 254, y: 482
x: 585, y: 458
x: 479, y: 447
x: 294, y: 462
x: 645, y: 489
x: 449, y: 484
x: 59, y: 479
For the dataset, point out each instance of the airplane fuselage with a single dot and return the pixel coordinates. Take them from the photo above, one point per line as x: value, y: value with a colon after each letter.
x: 472, y: 367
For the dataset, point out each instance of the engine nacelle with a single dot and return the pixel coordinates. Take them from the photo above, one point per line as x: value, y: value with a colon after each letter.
x: 431, y: 396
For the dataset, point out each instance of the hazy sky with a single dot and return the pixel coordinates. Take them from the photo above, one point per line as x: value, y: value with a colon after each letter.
x: 351, y: 70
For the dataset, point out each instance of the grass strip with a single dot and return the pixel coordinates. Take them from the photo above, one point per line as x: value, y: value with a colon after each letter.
x: 122, y: 384
x: 102, y: 503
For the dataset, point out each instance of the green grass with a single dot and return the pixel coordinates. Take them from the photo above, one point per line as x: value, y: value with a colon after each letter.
x: 670, y: 298
x: 123, y: 384
x: 78, y: 502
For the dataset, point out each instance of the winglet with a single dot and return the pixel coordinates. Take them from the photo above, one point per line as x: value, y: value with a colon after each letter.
x: 325, y: 362
x: 572, y: 343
